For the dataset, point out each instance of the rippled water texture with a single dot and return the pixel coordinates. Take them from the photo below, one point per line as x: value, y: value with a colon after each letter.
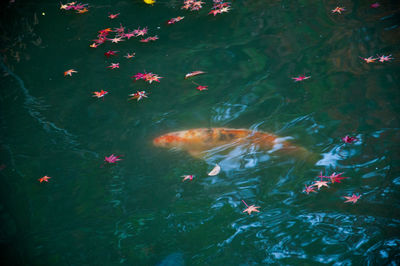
x: 138, y: 211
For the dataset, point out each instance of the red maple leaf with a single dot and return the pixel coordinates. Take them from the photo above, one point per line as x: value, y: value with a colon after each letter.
x: 251, y: 208
x: 138, y: 95
x: 309, y: 189
x: 201, y: 88
x: 112, y: 158
x: 338, y: 10
x: 187, y: 177
x: 69, y: 72
x: 109, y: 53
x: 44, y: 179
x: 99, y: 94
x: 173, y: 20
x: 348, y: 139
x: 353, y: 199
x: 375, y: 5
x: 336, y: 177
x: 385, y: 58
x: 113, y: 16
x: 300, y: 78
x: 320, y: 184
x: 114, y: 65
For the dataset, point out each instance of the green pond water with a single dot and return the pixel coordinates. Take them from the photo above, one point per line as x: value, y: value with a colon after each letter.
x: 138, y: 211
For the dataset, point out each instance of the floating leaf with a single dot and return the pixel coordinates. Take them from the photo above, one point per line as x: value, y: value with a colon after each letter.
x: 194, y: 73
x: 215, y: 171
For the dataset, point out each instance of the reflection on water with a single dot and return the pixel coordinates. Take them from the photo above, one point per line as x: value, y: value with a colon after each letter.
x: 227, y: 112
x: 34, y: 106
x: 238, y: 157
x: 138, y: 211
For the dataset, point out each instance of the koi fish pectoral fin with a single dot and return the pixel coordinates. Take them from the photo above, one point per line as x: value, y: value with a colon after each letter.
x: 196, y: 153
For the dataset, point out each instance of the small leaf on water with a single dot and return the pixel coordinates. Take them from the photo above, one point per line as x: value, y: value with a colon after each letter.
x: 194, y: 73
x: 215, y: 171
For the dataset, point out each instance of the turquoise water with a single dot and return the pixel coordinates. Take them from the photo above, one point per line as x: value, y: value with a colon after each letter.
x: 138, y: 211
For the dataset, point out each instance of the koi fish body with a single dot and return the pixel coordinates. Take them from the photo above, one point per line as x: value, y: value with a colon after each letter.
x: 198, y: 141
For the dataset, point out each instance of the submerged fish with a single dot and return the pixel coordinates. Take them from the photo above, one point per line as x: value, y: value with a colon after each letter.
x: 200, y: 140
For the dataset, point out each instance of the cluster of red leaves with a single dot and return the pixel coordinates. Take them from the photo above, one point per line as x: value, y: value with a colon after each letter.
x: 219, y: 6
x: 192, y: 5
x: 333, y: 178
x: 382, y: 59
x: 149, y: 77
x: 119, y: 35
x: 173, y: 20
x: 78, y: 7
x: 152, y: 38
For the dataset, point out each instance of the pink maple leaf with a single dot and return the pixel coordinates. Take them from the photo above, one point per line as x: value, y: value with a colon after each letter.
x: 309, y: 189
x: 353, y: 199
x: 375, y: 5
x: 112, y: 158
x: 348, y: 139
x: 114, y: 65
x: 300, y: 78
x: 187, y: 177
x: 336, y: 177
x: 109, y: 53
x: 201, y: 88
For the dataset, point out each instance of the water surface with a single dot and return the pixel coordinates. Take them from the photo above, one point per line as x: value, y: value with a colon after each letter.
x: 138, y: 212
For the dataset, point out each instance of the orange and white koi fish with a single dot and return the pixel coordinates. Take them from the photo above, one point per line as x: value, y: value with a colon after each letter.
x: 200, y: 140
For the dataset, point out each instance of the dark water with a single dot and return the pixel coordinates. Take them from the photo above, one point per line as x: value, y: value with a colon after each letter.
x: 138, y: 212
